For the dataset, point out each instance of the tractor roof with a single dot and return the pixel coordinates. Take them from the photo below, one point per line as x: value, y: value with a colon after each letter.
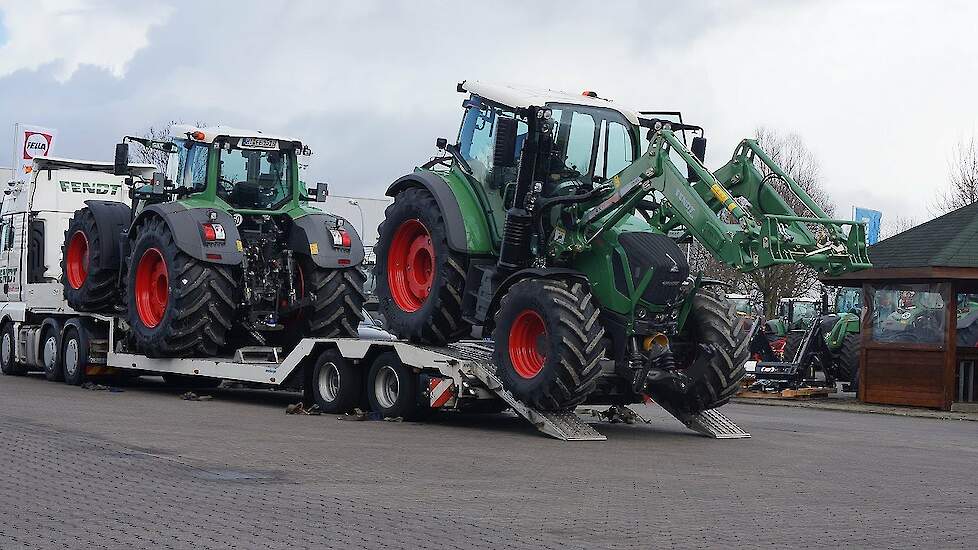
x: 213, y: 132
x: 521, y: 97
x: 59, y: 163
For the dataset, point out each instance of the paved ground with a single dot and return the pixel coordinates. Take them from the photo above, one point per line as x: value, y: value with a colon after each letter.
x: 144, y: 469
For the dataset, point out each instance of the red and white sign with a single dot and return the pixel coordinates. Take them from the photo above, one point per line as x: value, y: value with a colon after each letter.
x: 32, y: 142
x: 442, y: 391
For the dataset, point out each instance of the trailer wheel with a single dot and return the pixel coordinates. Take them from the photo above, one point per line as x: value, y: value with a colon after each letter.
x: 90, y: 280
x: 420, y: 280
x: 712, y: 321
x: 392, y: 388
x: 548, y: 343
x: 177, y: 305
x: 337, y: 384
x: 51, y: 354
x: 7, y: 342
x: 74, y: 353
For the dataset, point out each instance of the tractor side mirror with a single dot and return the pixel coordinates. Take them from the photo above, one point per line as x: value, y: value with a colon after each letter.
x: 441, y: 143
x: 322, y: 191
x: 504, y: 148
x: 698, y: 148
x: 121, y: 165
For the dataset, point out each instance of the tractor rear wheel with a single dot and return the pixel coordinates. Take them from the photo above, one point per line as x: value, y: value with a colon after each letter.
x: 419, y: 279
x: 848, y: 360
x: 712, y: 321
x: 336, y: 307
x: 177, y: 305
x: 548, y: 343
x: 90, y: 278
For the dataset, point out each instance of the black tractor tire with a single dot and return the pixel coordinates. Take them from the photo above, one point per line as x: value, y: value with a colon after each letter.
x: 392, y: 389
x: 549, y: 343
x: 336, y: 309
x: 847, y: 360
x: 177, y: 305
x: 90, y: 279
x: 51, y: 354
x: 791, y: 344
x: 413, y: 239
x: 712, y: 321
x: 337, y: 384
x: 8, y: 365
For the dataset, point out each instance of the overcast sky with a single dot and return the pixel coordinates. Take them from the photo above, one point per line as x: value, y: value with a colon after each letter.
x: 879, y: 91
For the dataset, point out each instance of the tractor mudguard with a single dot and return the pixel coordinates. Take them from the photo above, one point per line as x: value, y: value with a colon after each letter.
x: 556, y: 273
x: 448, y: 203
x: 184, y: 224
x: 110, y: 218
x: 310, y: 235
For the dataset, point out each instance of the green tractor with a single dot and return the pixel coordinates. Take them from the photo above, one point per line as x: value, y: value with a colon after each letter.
x: 220, y: 252
x: 551, y: 226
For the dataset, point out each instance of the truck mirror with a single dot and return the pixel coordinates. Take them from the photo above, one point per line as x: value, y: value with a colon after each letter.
x: 121, y: 167
x: 504, y: 148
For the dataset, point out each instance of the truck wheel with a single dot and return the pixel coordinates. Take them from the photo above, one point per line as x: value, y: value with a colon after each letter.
x: 336, y: 308
x: 7, y: 342
x: 177, y: 305
x: 392, y: 388
x: 336, y: 383
x: 89, y: 279
x: 51, y: 355
x: 712, y: 321
x: 419, y: 279
x: 848, y: 360
x: 74, y: 353
x: 548, y: 343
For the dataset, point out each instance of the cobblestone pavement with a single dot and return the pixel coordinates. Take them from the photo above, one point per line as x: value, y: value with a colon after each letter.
x: 142, y: 468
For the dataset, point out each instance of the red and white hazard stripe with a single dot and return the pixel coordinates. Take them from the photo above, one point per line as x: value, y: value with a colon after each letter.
x: 442, y: 390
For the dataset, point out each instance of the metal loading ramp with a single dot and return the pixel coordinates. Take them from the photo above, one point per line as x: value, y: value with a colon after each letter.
x: 476, y: 360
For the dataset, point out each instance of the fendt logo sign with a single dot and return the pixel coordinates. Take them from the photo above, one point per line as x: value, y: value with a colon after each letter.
x: 91, y: 188
x: 36, y: 144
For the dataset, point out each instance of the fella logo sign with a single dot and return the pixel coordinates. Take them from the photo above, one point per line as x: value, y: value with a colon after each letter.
x: 36, y: 144
x: 31, y: 142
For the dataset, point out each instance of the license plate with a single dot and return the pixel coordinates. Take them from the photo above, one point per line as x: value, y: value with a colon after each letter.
x: 258, y: 143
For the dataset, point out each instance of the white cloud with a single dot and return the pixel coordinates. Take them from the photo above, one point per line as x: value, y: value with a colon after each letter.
x: 67, y: 34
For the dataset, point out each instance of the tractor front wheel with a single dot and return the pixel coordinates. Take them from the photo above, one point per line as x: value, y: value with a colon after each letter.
x: 419, y: 279
x: 548, y: 343
x: 177, y: 305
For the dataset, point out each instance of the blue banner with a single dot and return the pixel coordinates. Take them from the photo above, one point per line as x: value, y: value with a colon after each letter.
x: 872, y: 219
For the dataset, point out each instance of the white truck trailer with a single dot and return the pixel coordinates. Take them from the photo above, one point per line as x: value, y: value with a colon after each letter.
x: 39, y: 331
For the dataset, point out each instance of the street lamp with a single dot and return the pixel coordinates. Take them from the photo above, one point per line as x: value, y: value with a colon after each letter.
x: 356, y: 203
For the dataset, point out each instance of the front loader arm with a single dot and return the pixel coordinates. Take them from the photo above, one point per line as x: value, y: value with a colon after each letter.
x: 767, y: 231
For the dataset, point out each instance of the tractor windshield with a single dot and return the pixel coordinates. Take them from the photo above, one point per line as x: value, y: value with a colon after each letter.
x: 255, y: 179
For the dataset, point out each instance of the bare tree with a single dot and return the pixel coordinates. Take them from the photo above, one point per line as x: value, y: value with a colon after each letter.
x: 895, y: 225
x: 771, y: 284
x: 962, y: 187
x: 138, y: 153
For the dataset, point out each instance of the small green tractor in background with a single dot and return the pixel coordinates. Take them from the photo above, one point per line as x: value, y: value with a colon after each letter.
x: 220, y: 252
x: 551, y: 226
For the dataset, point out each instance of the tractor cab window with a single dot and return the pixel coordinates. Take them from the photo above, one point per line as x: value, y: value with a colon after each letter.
x: 476, y: 142
x: 254, y: 179
x: 192, y: 165
x: 590, y: 145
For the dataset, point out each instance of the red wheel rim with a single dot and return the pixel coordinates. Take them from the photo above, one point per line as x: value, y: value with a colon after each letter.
x: 77, y: 261
x: 410, y: 265
x: 152, y: 287
x: 527, y: 339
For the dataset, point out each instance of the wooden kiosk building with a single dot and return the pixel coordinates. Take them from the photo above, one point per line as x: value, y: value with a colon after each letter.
x: 919, y: 320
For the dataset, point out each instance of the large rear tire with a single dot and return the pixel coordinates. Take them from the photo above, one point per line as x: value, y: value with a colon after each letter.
x: 848, y: 360
x: 177, y: 305
x: 337, y: 304
x: 548, y: 343
x: 90, y: 278
x: 420, y: 280
x: 711, y: 321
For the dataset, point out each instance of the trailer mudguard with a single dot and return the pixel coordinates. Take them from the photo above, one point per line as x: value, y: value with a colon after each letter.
x: 310, y: 235
x: 111, y: 218
x: 184, y: 224
x: 469, y: 234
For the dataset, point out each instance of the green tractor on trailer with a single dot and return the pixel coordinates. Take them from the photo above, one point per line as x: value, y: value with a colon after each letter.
x: 549, y: 226
x: 220, y: 252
